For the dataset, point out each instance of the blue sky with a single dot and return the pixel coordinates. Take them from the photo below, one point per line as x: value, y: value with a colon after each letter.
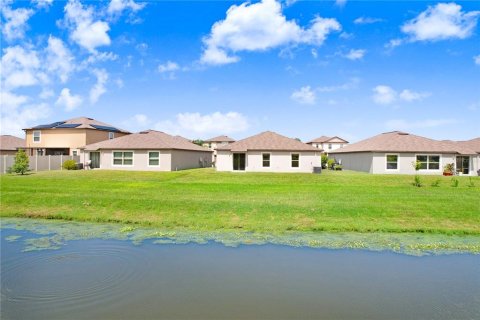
x: 200, y: 69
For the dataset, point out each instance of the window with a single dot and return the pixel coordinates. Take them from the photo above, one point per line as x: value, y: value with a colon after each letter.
x: 429, y: 162
x: 36, y: 136
x: 39, y: 152
x: 111, y: 135
x: 329, y: 146
x: 392, y: 162
x: 295, y: 160
x: 122, y: 158
x: 341, y: 146
x: 153, y: 158
x: 74, y: 153
x: 265, y: 159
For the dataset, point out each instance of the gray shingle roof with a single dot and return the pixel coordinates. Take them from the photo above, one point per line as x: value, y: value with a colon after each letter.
x: 8, y: 142
x: 147, y: 140
x: 398, y: 141
x: 269, y: 141
x: 324, y: 139
x: 220, y: 139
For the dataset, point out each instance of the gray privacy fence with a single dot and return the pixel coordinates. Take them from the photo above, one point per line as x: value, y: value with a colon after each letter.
x: 38, y: 163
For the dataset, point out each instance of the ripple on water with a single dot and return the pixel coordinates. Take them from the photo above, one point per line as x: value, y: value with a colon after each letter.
x: 103, y: 268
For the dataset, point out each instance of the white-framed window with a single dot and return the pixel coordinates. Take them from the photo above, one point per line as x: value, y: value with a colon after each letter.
x: 74, y: 153
x: 429, y: 162
x: 123, y: 158
x: 391, y: 161
x: 111, y: 135
x: 295, y: 160
x: 37, y: 134
x: 153, y: 158
x: 266, y: 160
x: 329, y: 146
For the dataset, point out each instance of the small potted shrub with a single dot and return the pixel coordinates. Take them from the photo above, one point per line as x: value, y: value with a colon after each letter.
x: 448, y: 169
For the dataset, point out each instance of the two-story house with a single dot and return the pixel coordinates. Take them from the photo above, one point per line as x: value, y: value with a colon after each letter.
x: 328, y: 144
x: 216, y: 142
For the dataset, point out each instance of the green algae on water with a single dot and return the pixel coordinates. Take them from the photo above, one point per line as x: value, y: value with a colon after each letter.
x: 54, y: 234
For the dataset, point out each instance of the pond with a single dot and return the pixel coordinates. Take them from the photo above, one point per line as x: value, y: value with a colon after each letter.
x: 58, y: 270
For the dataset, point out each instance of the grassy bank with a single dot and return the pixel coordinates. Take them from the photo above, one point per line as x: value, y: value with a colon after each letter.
x: 207, y: 200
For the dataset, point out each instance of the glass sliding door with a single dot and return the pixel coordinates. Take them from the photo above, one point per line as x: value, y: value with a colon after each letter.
x: 95, y: 158
x: 239, y: 160
x: 463, y: 164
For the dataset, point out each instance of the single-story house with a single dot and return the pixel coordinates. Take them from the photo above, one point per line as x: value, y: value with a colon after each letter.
x: 328, y: 143
x: 9, y: 145
x: 395, y: 152
x: 214, y: 143
x: 148, y: 150
x: 268, y: 152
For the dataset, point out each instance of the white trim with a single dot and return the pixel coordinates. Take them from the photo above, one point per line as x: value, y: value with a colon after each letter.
x: 148, y: 159
x: 440, y: 162
x: 112, y: 134
x: 269, y: 159
x: 398, y: 161
x: 291, y: 160
x: 122, y: 165
x: 39, y: 136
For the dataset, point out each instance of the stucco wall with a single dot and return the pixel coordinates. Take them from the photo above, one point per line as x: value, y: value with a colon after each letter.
x: 93, y: 136
x: 183, y: 159
x: 280, y: 161
x: 355, y: 161
x: 140, y: 161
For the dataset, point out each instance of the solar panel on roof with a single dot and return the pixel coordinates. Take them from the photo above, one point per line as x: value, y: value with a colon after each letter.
x: 48, y: 126
x: 105, y: 128
x: 68, y: 125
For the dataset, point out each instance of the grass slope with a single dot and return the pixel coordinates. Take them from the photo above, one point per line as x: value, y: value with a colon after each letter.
x: 263, y: 202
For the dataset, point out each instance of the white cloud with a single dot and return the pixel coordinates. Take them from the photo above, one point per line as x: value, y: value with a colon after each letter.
x: 401, y: 124
x: 15, y: 22
x: 68, y: 100
x: 99, y: 88
x: 43, y: 3
x: 59, y: 59
x: 394, y: 43
x: 477, y: 60
x: 314, y: 53
x: 352, y: 83
x: 86, y: 32
x: 384, y: 95
x: 46, y: 93
x: 11, y: 101
x: 117, y: 6
x: 304, y: 95
x: 20, y: 67
x: 355, y: 54
x: 258, y: 27
x: 169, y: 66
x: 442, y: 21
x: 409, y: 96
x: 387, y: 95
x: 190, y: 124
x: 340, y: 3
x: 367, y: 20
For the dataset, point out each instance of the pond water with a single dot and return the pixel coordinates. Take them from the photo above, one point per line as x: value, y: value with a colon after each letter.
x: 80, y: 271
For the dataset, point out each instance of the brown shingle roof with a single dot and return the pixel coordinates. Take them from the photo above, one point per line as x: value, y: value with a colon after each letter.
x: 220, y: 139
x: 268, y: 141
x: 324, y: 139
x: 83, y: 122
x: 8, y: 142
x: 473, y: 144
x: 148, y: 140
x: 397, y: 141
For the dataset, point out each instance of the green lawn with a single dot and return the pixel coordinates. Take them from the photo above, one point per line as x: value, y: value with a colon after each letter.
x: 207, y: 200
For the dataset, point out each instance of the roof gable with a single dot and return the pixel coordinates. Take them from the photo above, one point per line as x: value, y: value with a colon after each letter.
x: 220, y: 139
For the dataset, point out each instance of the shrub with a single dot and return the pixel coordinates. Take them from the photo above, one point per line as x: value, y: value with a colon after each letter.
x: 324, y: 161
x: 21, y: 162
x: 69, y: 165
x: 436, y: 183
x: 338, y: 167
x: 416, y: 165
x: 455, y: 182
x: 417, y: 182
x: 449, y: 168
x: 330, y: 163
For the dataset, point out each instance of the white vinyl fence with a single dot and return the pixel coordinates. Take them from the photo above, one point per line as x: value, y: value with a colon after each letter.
x: 38, y: 163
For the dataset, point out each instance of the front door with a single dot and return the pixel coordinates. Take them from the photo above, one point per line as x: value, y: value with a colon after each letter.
x: 463, y: 165
x: 95, y: 160
x: 239, y: 161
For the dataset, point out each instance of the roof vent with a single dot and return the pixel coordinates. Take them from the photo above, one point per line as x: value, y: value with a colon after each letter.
x: 143, y: 132
x: 403, y: 133
x: 90, y: 118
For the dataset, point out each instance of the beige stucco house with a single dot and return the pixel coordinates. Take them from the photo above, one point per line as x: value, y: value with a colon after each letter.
x: 328, y: 144
x: 394, y: 152
x: 9, y: 145
x: 66, y: 137
x: 268, y: 152
x: 148, y: 150
x: 214, y: 143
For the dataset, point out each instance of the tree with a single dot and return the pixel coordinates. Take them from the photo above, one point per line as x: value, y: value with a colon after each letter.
x: 198, y: 141
x: 21, y: 162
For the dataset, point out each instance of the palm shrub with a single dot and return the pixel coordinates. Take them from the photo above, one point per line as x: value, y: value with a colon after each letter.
x: 21, y: 163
